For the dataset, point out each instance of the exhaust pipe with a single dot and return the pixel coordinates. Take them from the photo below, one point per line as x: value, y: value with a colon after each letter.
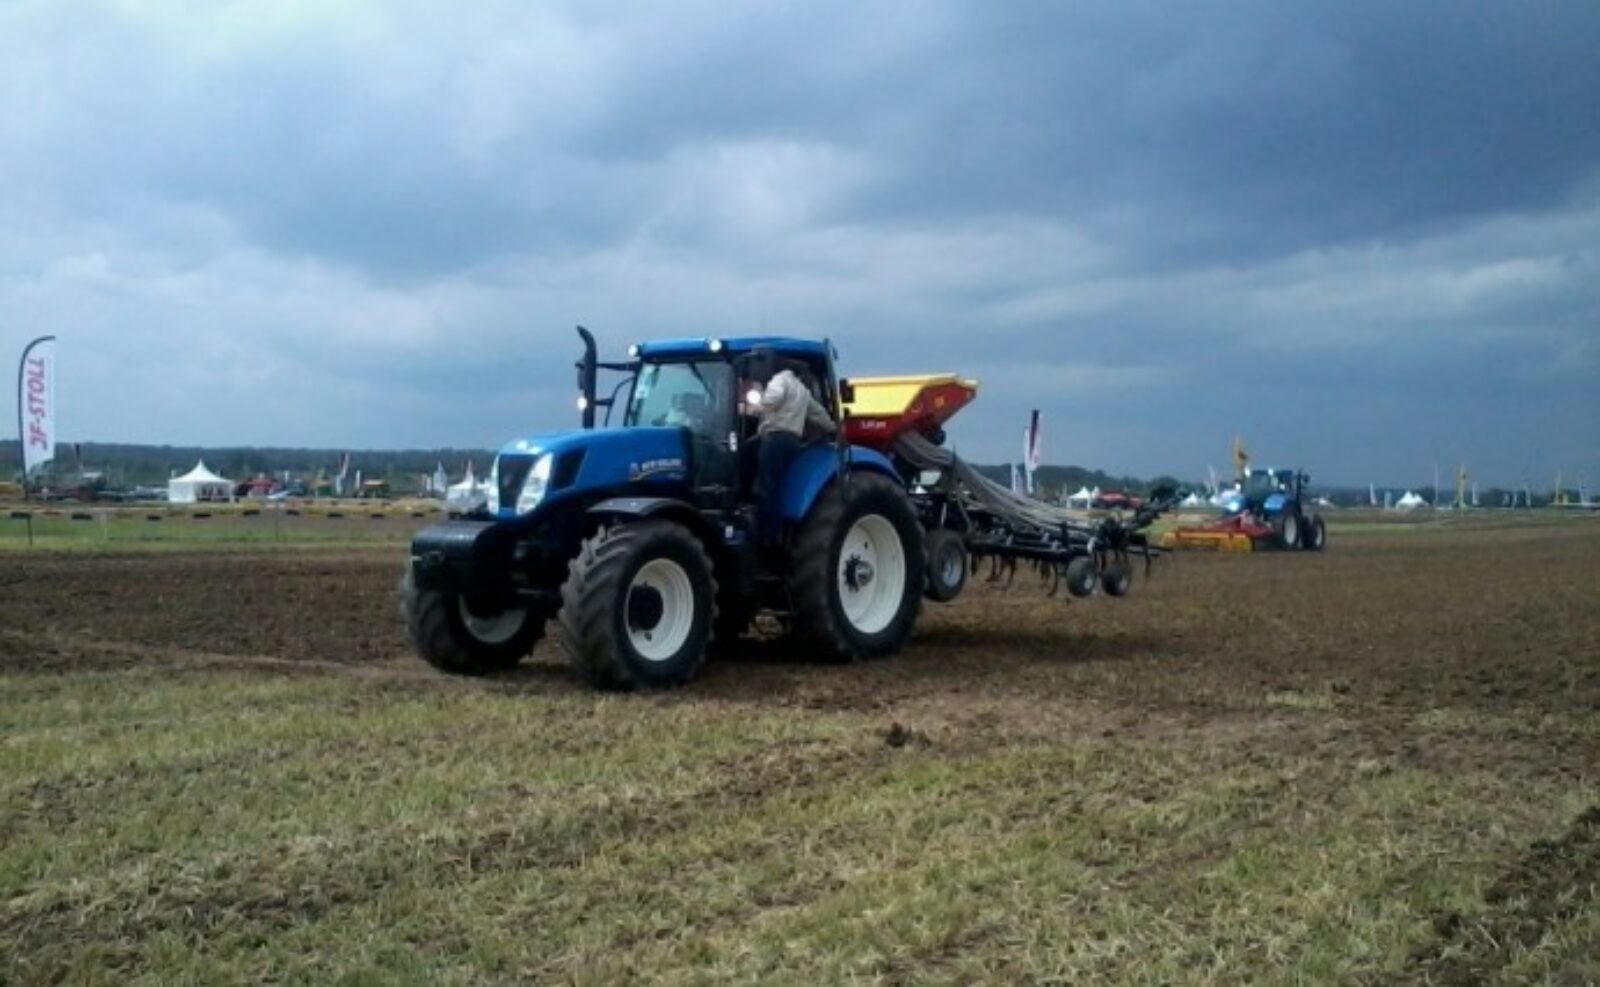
x: 588, y: 375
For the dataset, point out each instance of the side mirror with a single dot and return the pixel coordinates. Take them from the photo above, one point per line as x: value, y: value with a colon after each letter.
x: 847, y: 392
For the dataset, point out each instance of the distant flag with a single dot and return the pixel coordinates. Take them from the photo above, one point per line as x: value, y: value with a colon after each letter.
x: 1031, y: 449
x: 36, y: 403
x: 1388, y: 499
x: 1211, y: 471
x: 1372, y: 495
x: 1016, y: 478
x: 344, y: 470
x: 357, y: 487
x: 441, y: 480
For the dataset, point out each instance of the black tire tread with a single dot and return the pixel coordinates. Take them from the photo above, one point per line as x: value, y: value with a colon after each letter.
x: 812, y: 576
x: 935, y: 589
x: 588, y: 595
x: 434, y: 638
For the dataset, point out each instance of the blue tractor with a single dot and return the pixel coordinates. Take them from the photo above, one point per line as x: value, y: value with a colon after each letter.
x: 642, y: 540
x: 1276, y: 499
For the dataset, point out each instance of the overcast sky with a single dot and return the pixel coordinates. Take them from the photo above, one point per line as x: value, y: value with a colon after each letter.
x: 1366, y: 236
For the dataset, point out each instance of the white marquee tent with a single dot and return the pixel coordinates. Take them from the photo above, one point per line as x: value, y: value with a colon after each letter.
x: 199, y: 485
x: 470, y: 494
x: 1083, y: 498
x: 1409, y: 502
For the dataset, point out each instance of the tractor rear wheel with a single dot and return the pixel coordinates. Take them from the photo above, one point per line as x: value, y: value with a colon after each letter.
x: 947, y: 565
x: 638, y: 606
x: 1315, y: 534
x: 858, y: 569
x: 466, y: 637
x: 1286, y: 530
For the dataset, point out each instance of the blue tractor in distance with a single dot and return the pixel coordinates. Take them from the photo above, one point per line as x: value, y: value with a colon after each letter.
x: 1275, y: 500
x: 641, y: 540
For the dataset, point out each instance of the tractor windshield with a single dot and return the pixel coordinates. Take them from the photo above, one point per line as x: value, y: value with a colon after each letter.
x: 1259, y: 485
x: 698, y: 395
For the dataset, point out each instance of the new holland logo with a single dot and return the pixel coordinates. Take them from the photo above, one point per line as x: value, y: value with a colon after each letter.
x: 655, y: 468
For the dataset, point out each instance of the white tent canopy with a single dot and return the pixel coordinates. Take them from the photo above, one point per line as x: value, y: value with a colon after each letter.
x: 1083, y: 497
x: 470, y: 494
x: 199, y: 485
x: 1193, y: 500
x: 1410, y: 502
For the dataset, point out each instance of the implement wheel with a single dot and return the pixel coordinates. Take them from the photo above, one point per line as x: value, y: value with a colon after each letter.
x: 1082, y: 577
x: 638, y: 606
x: 465, y: 637
x: 1117, y: 579
x: 858, y: 569
x: 947, y: 565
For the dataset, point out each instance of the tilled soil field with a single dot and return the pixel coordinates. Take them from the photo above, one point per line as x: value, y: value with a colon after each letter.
x: 1432, y: 685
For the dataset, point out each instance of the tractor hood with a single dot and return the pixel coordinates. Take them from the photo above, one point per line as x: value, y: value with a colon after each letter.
x: 554, y: 467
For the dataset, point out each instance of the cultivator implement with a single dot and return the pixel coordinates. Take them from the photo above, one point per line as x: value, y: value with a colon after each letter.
x: 1063, y: 547
x: 1233, y: 534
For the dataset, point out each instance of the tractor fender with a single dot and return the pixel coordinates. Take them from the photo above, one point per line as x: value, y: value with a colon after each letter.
x: 669, y: 508
x: 816, y: 467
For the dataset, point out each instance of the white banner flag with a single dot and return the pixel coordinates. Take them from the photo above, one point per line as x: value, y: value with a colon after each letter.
x: 36, y: 403
x: 1030, y: 452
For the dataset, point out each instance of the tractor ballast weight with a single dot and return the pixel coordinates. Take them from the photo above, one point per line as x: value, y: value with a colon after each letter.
x: 642, y: 540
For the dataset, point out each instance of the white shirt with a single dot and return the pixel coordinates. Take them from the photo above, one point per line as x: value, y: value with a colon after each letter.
x: 787, y: 405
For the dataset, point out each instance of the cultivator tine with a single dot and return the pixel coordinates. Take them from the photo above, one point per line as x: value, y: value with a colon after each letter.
x: 1053, y: 580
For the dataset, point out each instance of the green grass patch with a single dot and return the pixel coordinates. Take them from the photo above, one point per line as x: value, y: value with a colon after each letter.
x: 226, y: 826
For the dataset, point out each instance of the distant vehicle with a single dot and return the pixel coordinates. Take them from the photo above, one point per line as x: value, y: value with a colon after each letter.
x: 1271, y: 509
x: 1116, y: 500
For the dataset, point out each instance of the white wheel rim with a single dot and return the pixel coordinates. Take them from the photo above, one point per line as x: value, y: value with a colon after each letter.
x: 1291, y: 530
x: 499, y: 629
x: 871, y: 575
x: 667, y: 581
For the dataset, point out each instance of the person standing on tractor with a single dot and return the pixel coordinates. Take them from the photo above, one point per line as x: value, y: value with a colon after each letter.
x: 784, y: 406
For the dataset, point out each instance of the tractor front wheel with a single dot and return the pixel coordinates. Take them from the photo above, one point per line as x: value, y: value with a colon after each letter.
x: 858, y: 569
x: 638, y: 606
x: 465, y: 637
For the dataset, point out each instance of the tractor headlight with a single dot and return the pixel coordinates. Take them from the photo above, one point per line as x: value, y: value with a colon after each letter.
x: 492, y: 500
x: 533, y: 487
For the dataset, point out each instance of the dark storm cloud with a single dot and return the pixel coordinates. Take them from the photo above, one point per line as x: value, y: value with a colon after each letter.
x: 1362, y: 233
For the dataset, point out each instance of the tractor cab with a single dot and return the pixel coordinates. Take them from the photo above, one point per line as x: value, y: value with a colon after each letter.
x: 703, y: 386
